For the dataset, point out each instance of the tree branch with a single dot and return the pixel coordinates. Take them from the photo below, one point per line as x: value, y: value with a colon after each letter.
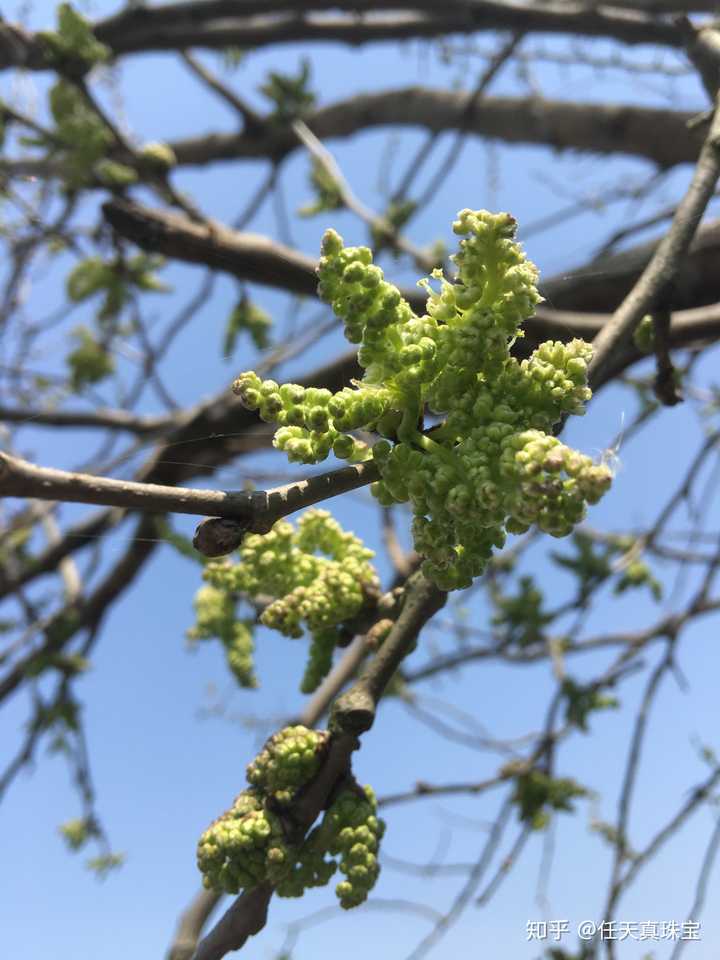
x: 666, y: 260
x: 254, y: 257
x: 245, y: 255
x: 98, y: 419
x: 658, y: 135
x: 354, y: 711
x: 351, y: 714
x: 255, y: 512
x: 215, y: 24
x: 194, y: 917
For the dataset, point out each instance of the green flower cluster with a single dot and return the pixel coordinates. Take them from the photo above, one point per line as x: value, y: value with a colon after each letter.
x: 249, y: 843
x: 289, y: 759
x: 492, y: 466
x: 357, y: 833
x: 312, y: 868
x: 310, y: 590
x: 215, y: 618
x: 306, y: 434
x: 244, y: 847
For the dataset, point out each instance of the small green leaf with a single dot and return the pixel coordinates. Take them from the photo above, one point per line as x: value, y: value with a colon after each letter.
x: 290, y: 95
x: 87, y: 278
x: 76, y: 833
x: 90, y: 362
x: 104, y: 864
x: 74, y: 43
x: 249, y: 318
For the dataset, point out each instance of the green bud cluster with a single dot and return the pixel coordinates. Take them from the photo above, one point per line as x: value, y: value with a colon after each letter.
x: 249, y: 844
x: 312, y: 868
x: 244, y: 847
x: 76, y: 833
x: 289, y: 759
x: 318, y: 574
x: 551, y: 483
x: 591, y: 562
x: 215, y: 618
x: 596, y: 562
x: 357, y: 832
x: 492, y: 467
x: 310, y: 427
x: 644, y: 335
x: 158, y: 156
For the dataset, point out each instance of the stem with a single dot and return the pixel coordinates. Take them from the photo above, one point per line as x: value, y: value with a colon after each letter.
x: 407, y: 431
x: 443, y: 453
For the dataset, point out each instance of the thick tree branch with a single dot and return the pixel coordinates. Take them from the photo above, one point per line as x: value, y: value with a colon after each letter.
x: 191, y: 924
x: 245, y: 255
x: 97, y: 420
x: 660, y: 136
x: 246, y: 917
x: 216, y: 24
x: 212, y: 435
x: 599, y: 285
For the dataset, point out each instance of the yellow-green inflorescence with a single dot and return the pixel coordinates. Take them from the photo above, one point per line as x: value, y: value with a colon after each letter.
x: 215, y: 618
x: 492, y: 466
x: 249, y: 843
x: 356, y: 834
x: 290, y: 759
x: 317, y: 574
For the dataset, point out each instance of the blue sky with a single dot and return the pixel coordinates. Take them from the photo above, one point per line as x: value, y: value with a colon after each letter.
x: 163, y: 768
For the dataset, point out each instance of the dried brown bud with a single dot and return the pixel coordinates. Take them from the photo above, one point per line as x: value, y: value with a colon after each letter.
x: 219, y: 536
